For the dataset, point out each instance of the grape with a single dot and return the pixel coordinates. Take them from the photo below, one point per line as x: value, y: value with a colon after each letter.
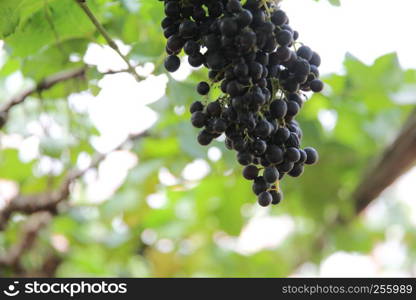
x: 234, y: 88
x: 265, y: 198
x: 312, y: 156
x: 296, y: 171
x: 244, y: 18
x: 295, y: 35
x: 214, y: 109
x: 292, y: 154
x: 234, y: 6
x: 274, y: 154
x: 198, y: 119
x: 271, y: 174
x: 292, y: 108
x: 172, y: 9
x: 284, y: 38
x: 167, y: 21
x: 228, y: 27
x: 293, y: 140
x: 281, y: 135
x: 244, y: 158
x: 279, y: 17
x: 303, y: 156
x: 196, y: 60
x: 204, y: 138
x: 296, y: 98
x: 276, y: 197
x: 175, y: 43
x: 203, y: 88
x: 259, y: 147
x: 196, y: 106
x: 188, y: 29
x: 239, y: 144
x: 260, y: 71
x: 278, y: 109
x: 314, y: 71
x: 250, y: 172
x: 285, y: 167
x: 301, y: 68
x: 284, y: 54
x: 211, y: 41
x: 262, y: 129
x: 191, y: 47
x: 260, y: 185
x: 215, y: 9
x: 241, y: 70
x: 317, y: 85
x: 172, y: 63
x: 315, y: 59
x: 305, y: 52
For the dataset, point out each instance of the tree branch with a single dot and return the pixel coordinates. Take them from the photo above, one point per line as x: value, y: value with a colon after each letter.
x: 83, y: 5
x: 112, y: 72
x: 42, y: 207
x: 49, y: 201
x: 396, y: 160
x: 48, y: 268
x: 45, y: 84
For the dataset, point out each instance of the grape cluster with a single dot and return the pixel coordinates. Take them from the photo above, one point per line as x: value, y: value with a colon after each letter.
x: 254, y: 58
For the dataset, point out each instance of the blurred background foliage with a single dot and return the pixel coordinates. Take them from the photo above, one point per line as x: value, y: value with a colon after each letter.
x: 158, y: 221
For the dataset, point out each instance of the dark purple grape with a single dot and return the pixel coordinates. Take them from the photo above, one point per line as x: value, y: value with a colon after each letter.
x: 265, y: 199
x: 258, y: 74
x: 172, y: 63
x: 250, y: 172
x: 203, y: 88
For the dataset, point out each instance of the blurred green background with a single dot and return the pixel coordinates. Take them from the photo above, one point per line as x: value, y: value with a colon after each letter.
x: 165, y: 206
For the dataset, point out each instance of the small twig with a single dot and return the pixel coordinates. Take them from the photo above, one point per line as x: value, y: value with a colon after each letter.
x: 109, y: 40
x: 49, y: 201
x: 45, y: 84
x: 111, y: 72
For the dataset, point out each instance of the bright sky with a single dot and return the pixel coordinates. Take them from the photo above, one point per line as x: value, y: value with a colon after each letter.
x: 365, y: 28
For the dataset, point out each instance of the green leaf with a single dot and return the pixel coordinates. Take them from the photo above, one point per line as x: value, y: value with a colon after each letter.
x: 66, y: 21
x: 54, y: 58
x: 12, y: 168
x: 15, y: 12
x: 335, y: 2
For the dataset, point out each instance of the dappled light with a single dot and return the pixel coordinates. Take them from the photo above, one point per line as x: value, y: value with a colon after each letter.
x: 97, y: 148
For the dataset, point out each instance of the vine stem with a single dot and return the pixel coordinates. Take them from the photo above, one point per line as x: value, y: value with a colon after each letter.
x: 83, y: 5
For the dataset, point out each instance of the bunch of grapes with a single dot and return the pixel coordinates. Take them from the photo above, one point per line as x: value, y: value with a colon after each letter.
x: 254, y: 58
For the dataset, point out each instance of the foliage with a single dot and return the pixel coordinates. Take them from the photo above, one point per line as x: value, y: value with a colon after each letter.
x: 200, y: 217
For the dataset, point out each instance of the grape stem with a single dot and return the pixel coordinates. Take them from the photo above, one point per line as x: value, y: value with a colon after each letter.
x: 83, y: 5
x: 266, y: 8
